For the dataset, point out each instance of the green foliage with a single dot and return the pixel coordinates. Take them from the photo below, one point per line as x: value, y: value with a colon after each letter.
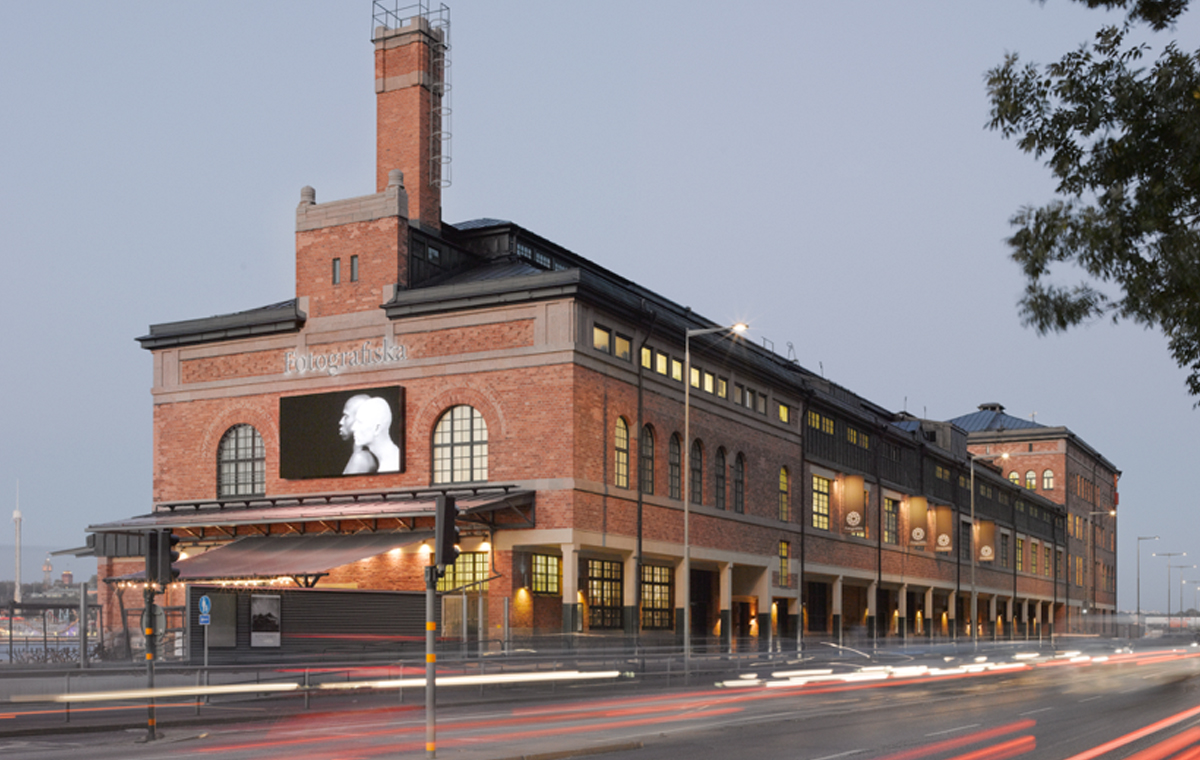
x: 1122, y: 139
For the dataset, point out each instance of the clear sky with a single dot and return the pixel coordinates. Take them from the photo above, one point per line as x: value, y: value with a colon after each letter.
x: 821, y: 170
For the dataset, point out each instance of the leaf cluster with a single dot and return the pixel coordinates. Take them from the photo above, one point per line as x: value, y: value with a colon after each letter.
x: 1121, y: 136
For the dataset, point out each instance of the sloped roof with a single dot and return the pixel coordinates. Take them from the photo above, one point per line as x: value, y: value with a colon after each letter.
x: 992, y: 420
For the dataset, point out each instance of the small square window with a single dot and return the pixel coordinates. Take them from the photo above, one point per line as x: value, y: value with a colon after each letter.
x: 761, y: 404
x: 602, y: 339
x: 661, y: 361
x: 676, y: 370
x: 354, y: 268
x: 622, y: 347
x: 784, y: 413
x: 695, y: 377
x: 708, y: 382
x: 739, y: 395
x: 647, y: 358
x: 433, y: 255
x: 722, y: 388
x: 337, y: 271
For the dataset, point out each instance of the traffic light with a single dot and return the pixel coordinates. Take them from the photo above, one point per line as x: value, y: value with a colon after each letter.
x: 152, y: 557
x: 168, y: 555
x: 447, y: 534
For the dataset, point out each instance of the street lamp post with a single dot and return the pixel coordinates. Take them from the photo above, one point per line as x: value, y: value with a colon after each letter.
x: 974, y: 601
x: 1169, y: 554
x: 1139, y: 579
x: 735, y: 329
x: 1181, y: 568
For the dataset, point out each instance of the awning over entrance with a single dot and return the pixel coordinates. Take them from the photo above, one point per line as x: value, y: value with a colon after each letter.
x: 482, y: 508
x: 303, y: 558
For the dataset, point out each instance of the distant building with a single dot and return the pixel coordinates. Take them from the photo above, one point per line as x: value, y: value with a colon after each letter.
x: 303, y: 443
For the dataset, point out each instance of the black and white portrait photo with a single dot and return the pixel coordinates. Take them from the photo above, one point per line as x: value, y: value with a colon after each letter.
x: 358, y: 432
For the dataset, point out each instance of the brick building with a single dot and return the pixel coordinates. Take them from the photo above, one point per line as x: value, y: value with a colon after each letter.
x: 304, y: 442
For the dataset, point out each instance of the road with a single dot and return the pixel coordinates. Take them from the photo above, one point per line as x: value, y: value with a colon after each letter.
x: 1144, y: 706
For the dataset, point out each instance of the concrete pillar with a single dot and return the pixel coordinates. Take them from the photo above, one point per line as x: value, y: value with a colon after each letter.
x: 681, y: 583
x: 872, y: 611
x: 929, y: 621
x: 837, y: 609
x: 992, y: 615
x: 762, y: 590
x: 572, y: 619
x: 1037, y: 615
x: 631, y: 614
x: 902, y: 613
x: 1008, y: 615
x: 725, y: 592
x: 952, y: 614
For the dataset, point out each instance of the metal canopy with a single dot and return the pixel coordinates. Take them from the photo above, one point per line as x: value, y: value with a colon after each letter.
x: 305, y: 559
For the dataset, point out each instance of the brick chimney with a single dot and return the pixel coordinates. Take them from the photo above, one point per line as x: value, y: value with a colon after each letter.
x: 409, y: 88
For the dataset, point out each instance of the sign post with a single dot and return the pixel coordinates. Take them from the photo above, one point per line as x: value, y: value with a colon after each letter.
x: 205, y: 619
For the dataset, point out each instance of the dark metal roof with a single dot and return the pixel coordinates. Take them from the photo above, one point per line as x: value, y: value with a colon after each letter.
x: 281, y: 317
x: 992, y: 420
x: 477, y: 224
x: 205, y: 515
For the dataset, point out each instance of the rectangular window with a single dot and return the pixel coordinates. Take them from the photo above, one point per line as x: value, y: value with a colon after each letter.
x: 661, y: 361
x: 433, y: 255
x: 354, y: 268
x: 695, y: 377
x: 785, y: 413
x: 1033, y: 557
x: 647, y: 358
x: 337, y: 271
x: 722, y: 388
x: 1003, y: 550
x: 622, y: 347
x: 709, y: 382
x: 677, y: 370
x: 658, y: 609
x: 785, y: 558
x: 891, y: 521
x: 739, y: 394
x: 602, y: 339
x: 1046, y: 566
x: 470, y: 569
x: 760, y: 403
x: 605, y: 594
x: 820, y: 503
x: 964, y: 541
x: 546, y: 575
x: 1020, y: 555
x: 1058, y: 556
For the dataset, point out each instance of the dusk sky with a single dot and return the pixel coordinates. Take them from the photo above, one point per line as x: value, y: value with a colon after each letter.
x: 819, y: 170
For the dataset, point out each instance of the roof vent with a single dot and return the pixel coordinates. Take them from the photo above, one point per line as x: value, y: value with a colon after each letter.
x: 992, y: 407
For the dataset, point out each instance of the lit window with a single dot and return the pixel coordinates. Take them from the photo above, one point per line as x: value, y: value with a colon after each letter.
x: 1048, y: 480
x: 709, y: 382
x: 622, y: 347
x: 676, y: 370
x: 621, y: 444
x: 602, y: 339
x: 785, y: 512
x: 1033, y: 558
x: 241, y: 463
x: 460, y: 446
x: 785, y: 557
x: 661, y: 361
x: 1020, y: 555
x: 739, y: 394
x: 546, y: 574
x: 647, y: 358
x: 658, y: 608
x: 891, y: 521
x: 1031, y: 480
x: 605, y: 593
x: 470, y: 569
x: 722, y: 388
x: 694, y: 376
x: 784, y: 413
x: 820, y: 502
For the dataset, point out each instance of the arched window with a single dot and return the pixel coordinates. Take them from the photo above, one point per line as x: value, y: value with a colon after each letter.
x: 1030, y: 479
x: 696, y: 465
x: 241, y: 463
x: 785, y: 511
x: 460, y: 446
x: 675, y: 467
x: 739, y: 484
x: 621, y: 444
x: 719, y: 481
x: 1015, y: 477
x: 646, y: 460
x: 1048, y: 480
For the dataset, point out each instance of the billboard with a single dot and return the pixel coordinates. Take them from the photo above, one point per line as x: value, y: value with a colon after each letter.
x: 353, y: 432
